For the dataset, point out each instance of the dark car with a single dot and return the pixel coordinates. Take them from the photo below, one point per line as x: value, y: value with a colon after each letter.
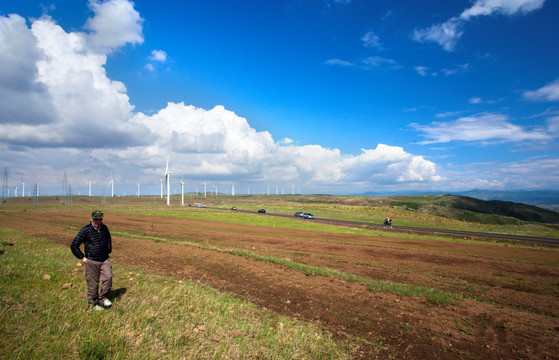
x: 262, y: 211
x: 234, y: 208
x: 307, y: 216
x: 298, y: 214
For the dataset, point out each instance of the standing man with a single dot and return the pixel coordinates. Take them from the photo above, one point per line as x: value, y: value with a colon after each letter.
x: 97, y: 243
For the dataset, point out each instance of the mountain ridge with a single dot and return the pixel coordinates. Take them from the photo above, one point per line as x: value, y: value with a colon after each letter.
x: 542, y: 198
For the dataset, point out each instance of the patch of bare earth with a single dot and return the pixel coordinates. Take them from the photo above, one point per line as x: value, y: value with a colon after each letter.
x: 514, y: 316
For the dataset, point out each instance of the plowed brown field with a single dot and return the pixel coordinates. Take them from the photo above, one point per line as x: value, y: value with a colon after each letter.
x: 510, y: 312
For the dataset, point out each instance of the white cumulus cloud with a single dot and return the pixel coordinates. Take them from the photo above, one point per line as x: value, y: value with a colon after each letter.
x: 388, y: 164
x: 63, y: 97
x: 62, y: 111
x: 116, y: 23
x: 23, y: 98
x: 158, y: 55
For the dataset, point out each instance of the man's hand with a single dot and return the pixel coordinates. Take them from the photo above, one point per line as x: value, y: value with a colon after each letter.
x: 84, y: 259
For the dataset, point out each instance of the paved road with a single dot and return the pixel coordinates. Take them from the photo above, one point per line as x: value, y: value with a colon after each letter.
x: 533, y: 239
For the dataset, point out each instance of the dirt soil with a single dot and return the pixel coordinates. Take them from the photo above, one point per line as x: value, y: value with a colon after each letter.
x: 510, y: 312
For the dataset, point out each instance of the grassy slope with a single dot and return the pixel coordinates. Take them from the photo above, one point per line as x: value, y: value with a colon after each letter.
x: 158, y: 318
x: 444, y: 211
x: 438, y: 211
x: 475, y: 210
x: 49, y: 322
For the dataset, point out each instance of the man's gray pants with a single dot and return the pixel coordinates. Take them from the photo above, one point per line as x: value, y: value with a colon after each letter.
x: 95, y: 272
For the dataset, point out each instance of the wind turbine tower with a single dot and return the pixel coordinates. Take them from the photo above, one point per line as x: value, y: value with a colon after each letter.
x: 5, y: 185
x: 204, y: 189
x: 182, y: 193
x: 138, y: 189
x: 167, y: 179
x: 111, y: 184
x: 35, y: 194
x: 233, y: 190
x: 89, y: 187
x: 22, y: 188
x: 161, y: 181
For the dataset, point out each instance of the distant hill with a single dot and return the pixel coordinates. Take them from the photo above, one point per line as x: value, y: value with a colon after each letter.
x: 535, y: 197
x: 472, y: 209
x: 450, y: 206
x: 544, y: 198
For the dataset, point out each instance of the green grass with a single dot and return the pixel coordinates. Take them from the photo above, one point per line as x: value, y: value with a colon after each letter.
x: 153, y: 317
x: 286, y: 223
x: 190, y: 320
x: 420, y: 211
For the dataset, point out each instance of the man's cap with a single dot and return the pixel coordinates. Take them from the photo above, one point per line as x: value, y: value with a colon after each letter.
x: 97, y: 214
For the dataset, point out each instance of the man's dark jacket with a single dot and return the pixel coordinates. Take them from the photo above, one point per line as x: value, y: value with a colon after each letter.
x: 97, y: 243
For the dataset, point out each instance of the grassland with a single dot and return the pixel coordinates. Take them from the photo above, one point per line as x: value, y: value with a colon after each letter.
x: 44, y: 316
x: 213, y: 284
x: 437, y: 211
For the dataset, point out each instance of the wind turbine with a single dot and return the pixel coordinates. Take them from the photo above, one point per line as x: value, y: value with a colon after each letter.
x: 112, y: 185
x: 5, y: 185
x: 167, y: 179
x: 22, y: 188
x: 138, y: 189
x: 89, y: 187
x: 204, y: 189
x: 182, y: 193
x: 232, y: 190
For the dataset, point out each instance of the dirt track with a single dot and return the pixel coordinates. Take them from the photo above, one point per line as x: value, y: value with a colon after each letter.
x: 517, y: 316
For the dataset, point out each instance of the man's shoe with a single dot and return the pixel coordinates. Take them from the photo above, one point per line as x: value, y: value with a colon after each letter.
x: 105, y: 303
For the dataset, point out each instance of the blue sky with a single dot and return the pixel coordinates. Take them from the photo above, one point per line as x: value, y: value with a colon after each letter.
x: 315, y: 95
